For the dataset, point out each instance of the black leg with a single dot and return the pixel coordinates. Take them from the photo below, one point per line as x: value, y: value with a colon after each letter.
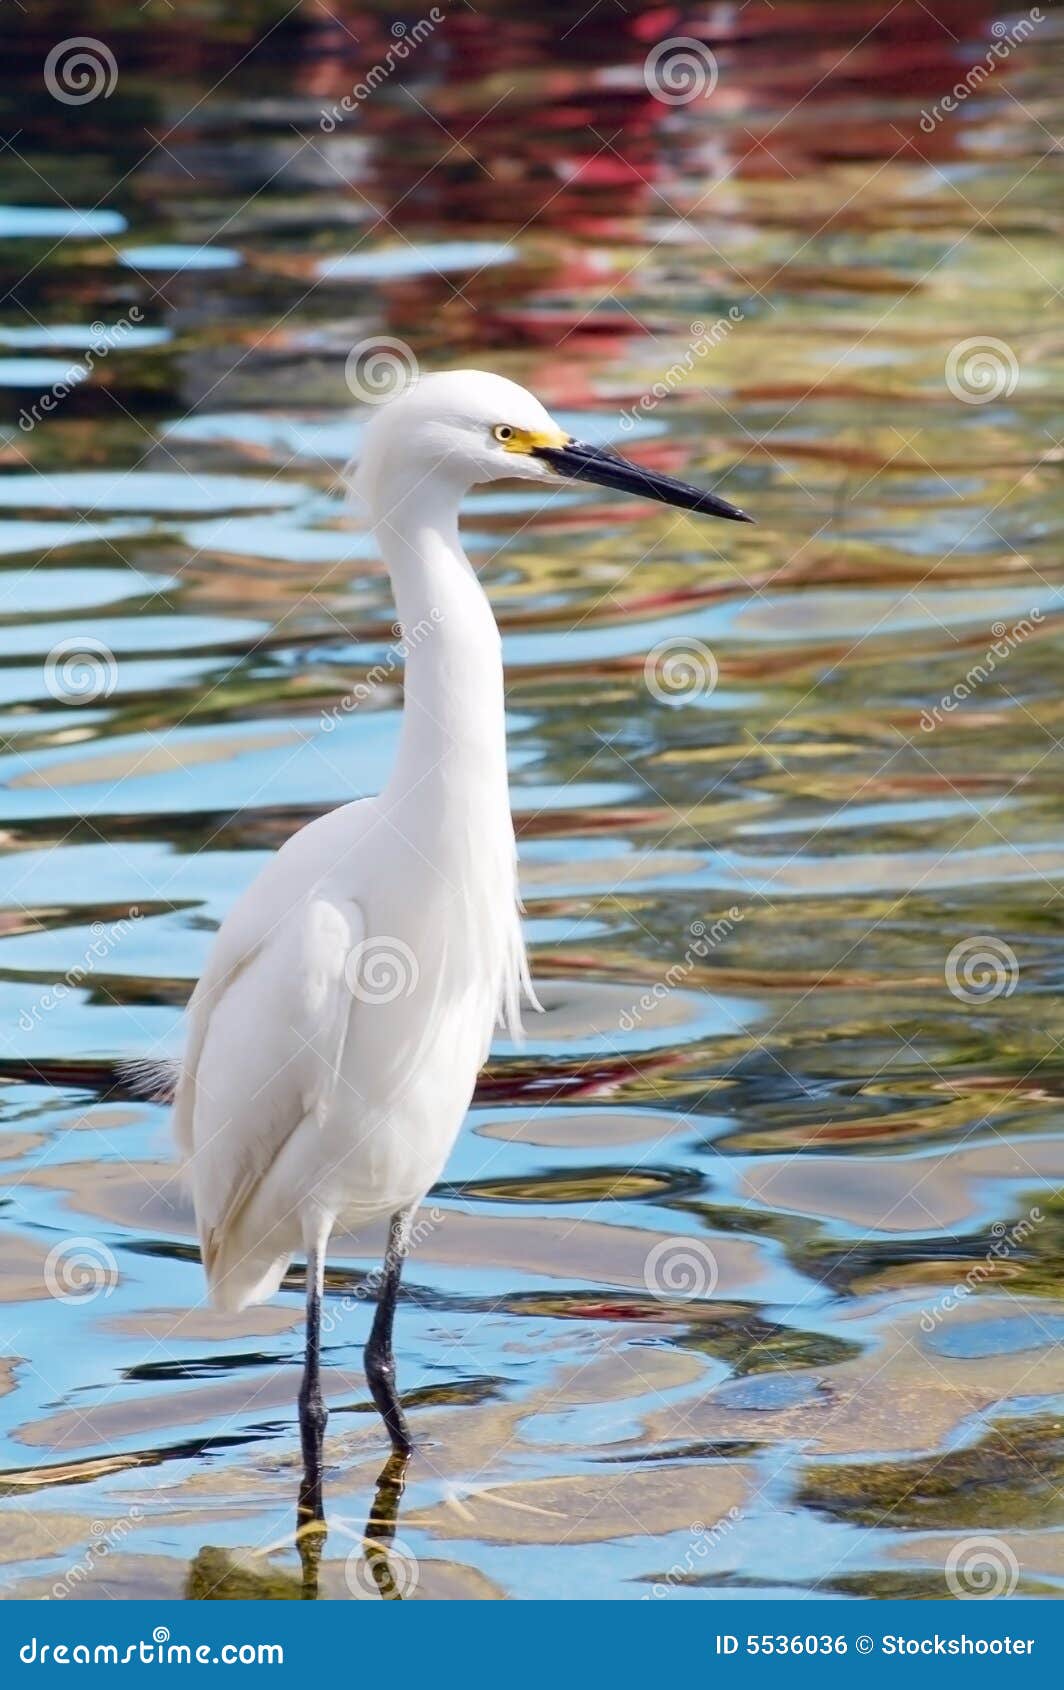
x: 312, y: 1411
x: 380, y: 1362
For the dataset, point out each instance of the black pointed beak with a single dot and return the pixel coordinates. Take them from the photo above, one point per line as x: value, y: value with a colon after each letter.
x: 607, y: 468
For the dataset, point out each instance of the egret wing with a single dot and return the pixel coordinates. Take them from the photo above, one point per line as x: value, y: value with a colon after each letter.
x: 265, y: 1048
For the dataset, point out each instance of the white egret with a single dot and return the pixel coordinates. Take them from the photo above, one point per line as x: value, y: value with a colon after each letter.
x: 348, y: 1002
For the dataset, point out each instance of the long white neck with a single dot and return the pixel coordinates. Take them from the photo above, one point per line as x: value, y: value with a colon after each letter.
x: 453, y: 738
x: 448, y: 790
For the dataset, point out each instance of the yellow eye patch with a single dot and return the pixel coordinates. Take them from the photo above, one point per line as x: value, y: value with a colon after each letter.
x: 526, y: 440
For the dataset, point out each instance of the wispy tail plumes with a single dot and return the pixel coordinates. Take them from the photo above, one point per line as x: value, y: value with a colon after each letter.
x: 156, y: 1081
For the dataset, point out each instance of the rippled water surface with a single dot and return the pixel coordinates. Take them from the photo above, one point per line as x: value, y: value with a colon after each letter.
x: 746, y: 1270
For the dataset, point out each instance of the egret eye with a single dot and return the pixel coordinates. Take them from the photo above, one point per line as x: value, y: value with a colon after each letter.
x: 503, y: 432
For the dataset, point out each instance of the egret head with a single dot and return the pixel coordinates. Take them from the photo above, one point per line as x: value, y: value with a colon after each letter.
x: 466, y: 427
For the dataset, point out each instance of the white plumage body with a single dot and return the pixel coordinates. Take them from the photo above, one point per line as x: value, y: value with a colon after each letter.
x: 307, y: 1095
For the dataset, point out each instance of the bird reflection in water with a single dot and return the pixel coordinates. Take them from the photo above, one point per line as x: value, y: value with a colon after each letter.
x: 216, y: 1576
x: 377, y: 1537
